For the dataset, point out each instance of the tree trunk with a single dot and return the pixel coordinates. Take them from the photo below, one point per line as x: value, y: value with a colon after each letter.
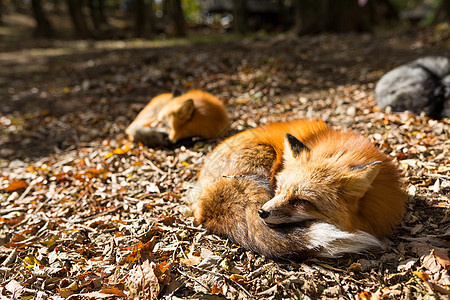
x: 333, y: 16
x: 239, y: 16
x: 177, y: 21
x: 1, y: 12
x: 282, y: 14
x: 78, y: 20
x: 144, y: 23
x: 43, y: 27
x: 101, y: 11
x: 442, y: 12
x: 96, y: 8
x: 57, y: 6
x: 308, y: 15
x: 298, y: 18
x: 139, y: 18
x: 178, y: 15
x: 150, y: 18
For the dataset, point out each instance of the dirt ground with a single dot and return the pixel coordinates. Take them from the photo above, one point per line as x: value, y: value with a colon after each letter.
x: 85, y: 214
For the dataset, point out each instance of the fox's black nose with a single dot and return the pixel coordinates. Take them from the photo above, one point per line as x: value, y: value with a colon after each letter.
x: 263, y: 214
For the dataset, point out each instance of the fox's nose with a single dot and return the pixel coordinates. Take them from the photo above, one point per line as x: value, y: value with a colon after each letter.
x: 263, y: 213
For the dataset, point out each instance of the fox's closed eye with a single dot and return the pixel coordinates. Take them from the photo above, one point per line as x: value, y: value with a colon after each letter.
x: 299, y: 201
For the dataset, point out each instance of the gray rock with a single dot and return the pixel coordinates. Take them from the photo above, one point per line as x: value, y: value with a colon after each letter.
x: 419, y: 86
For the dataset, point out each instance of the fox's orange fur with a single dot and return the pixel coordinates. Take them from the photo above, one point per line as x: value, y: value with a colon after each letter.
x: 193, y: 114
x: 336, y: 194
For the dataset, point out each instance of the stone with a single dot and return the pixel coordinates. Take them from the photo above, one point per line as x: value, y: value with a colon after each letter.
x: 422, y: 85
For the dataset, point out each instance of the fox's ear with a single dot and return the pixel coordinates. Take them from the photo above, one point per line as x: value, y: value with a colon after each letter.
x: 176, y: 92
x: 185, y: 111
x: 360, y: 177
x: 294, y: 146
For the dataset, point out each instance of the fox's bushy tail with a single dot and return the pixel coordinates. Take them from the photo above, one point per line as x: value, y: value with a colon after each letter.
x: 229, y: 206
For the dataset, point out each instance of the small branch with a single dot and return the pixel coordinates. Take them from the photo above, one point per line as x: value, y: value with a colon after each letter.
x: 194, y: 279
x: 226, y: 277
x: 259, y: 271
x: 437, y: 176
x: 24, y: 194
x: 191, y: 227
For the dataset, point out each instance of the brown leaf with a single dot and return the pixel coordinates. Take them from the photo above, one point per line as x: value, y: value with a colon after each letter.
x: 113, y: 291
x: 238, y: 278
x: 15, y: 288
x: 355, y: 267
x: 422, y: 275
x: 162, y: 271
x: 195, y: 260
x: 139, y: 249
x: 442, y: 258
x: 16, y: 185
x: 97, y: 295
x: 215, y: 289
x: 142, y: 281
x: 429, y: 261
x: 367, y: 295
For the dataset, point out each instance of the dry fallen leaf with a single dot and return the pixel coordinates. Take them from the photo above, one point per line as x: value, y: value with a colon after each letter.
x: 238, y: 278
x: 142, y: 281
x: 354, y: 267
x: 113, y: 291
x: 367, y: 295
x: 15, y: 288
x: 422, y: 275
x: 16, y: 185
x: 442, y: 259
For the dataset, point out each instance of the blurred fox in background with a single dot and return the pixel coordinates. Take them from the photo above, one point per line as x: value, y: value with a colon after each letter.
x: 167, y: 119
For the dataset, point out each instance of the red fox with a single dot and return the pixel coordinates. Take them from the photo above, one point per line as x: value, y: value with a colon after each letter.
x: 167, y: 119
x: 292, y: 189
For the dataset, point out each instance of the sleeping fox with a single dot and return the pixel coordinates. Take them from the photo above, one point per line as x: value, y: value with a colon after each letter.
x: 168, y: 118
x: 300, y: 188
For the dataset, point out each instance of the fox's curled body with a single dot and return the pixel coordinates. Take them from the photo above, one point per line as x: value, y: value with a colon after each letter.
x: 352, y: 190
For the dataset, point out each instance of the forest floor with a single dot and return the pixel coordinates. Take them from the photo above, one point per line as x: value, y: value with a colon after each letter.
x: 85, y: 214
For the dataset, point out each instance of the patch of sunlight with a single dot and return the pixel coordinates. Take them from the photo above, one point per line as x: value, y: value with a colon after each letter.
x: 11, y: 31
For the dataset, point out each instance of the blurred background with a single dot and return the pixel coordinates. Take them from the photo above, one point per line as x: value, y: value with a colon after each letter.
x: 157, y: 19
x: 75, y: 73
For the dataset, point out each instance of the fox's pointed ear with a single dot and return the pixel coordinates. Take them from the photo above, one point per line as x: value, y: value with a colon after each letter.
x: 176, y: 93
x: 185, y: 110
x: 360, y: 177
x: 294, y: 146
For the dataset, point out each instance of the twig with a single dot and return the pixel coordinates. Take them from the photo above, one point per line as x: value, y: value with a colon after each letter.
x: 10, y: 259
x: 440, y: 289
x: 269, y: 291
x: 178, y: 246
x: 132, y: 199
x: 103, y: 213
x: 191, y: 227
x: 43, y: 228
x: 437, y: 175
x: 12, y: 209
x: 259, y: 271
x: 226, y: 277
x: 85, y: 227
x: 26, y: 191
x: 64, y: 162
x: 154, y: 167
x: 194, y: 279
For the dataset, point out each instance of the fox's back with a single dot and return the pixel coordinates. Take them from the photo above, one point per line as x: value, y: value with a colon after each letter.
x: 259, y: 149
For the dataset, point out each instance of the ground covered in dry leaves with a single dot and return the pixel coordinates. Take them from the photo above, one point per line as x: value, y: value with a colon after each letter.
x: 84, y: 214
